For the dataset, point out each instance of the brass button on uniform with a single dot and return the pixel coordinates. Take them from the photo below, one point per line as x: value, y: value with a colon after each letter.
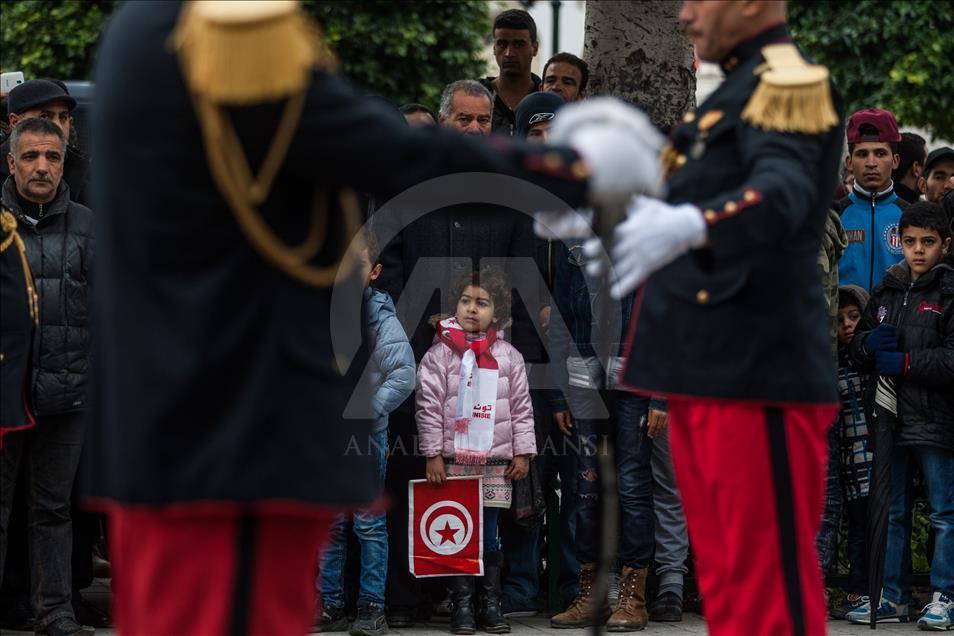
x: 552, y: 161
x: 731, y: 207
x: 750, y: 196
x: 710, y: 215
x: 681, y: 161
x: 702, y: 297
x: 689, y: 117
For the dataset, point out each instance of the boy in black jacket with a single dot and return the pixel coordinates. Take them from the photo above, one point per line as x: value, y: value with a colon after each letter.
x: 907, y: 338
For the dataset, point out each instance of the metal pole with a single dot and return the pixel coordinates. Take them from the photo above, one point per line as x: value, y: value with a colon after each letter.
x: 555, y: 38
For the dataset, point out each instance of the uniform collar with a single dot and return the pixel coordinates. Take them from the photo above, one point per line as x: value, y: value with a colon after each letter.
x: 752, y: 46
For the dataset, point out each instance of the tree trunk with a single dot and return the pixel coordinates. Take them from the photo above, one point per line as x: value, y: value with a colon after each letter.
x: 637, y: 51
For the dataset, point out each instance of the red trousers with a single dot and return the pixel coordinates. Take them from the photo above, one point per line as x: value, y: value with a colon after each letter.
x: 214, y: 574
x: 752, y: 484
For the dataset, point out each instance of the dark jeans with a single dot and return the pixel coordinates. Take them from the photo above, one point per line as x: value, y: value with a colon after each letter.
x: 827, y: 540
x: 522, y: 546
x: 402, y: 589
x: 51, y: 451
x: 633, y: 453
x: 856, y: 511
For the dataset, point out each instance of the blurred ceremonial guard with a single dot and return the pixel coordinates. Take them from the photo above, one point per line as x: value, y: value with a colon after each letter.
x: 219, y: 444
x: 732, y: 328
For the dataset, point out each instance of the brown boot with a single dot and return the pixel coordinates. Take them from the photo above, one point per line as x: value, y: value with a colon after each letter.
x: 630, y: 614
x: 583, y: 611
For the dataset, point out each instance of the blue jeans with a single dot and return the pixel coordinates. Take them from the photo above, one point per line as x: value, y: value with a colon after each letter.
x: 937, y: 468
x: 633, y: 450
x: 372, y: 532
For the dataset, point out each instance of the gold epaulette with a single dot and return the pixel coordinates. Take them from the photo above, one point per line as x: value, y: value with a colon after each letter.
x: 792, y: 96
x: 248, y: 52
x: 9, y: 236
x: 244, y: 52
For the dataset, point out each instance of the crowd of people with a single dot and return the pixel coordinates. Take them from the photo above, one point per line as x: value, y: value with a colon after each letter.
x: 888, y: 274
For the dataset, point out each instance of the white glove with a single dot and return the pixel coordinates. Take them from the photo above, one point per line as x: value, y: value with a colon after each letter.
x: 564, y: 225
x: 653, y: 235
x: 619, y: 144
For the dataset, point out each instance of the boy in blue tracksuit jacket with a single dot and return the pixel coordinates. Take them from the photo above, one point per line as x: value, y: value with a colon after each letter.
x: 870, y: 213
x: 393, y: 379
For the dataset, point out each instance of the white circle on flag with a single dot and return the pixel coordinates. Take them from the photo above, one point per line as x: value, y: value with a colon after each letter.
x: 441, y: 532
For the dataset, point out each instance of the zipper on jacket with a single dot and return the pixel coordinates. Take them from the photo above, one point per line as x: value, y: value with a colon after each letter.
x: 872, y: 242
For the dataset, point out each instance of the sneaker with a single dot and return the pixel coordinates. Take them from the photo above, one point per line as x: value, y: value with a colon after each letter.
x: 849, y: 604
x: 938, y: 615
x: 370, y: 621
x: 332, y: 619
x: 64, y: 626
x: 888, y: 612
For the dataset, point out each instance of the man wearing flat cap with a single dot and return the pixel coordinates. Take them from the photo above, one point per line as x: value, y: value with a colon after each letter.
x: 49, y: 100
x: 871, y: 211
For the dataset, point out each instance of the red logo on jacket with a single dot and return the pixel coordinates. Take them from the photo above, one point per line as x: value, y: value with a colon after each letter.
x: 926, y: 306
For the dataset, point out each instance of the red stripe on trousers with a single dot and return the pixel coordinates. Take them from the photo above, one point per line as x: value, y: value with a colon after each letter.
x: 724, y: 473
x: 175, y: 574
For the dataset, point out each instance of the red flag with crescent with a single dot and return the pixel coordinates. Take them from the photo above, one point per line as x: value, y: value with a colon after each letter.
x: 446, y: 527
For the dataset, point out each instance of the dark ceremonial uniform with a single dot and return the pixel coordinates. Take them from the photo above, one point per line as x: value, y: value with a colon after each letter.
x: 219, y: 441
x: 17, y: 323
x: 736, y: 336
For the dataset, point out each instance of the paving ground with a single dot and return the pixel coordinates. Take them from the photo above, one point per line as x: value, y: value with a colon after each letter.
x: 537, y: 626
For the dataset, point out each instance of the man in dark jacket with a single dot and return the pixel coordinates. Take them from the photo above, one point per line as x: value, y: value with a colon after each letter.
x: 57, y: 234
x: 49, y: 100
x: 515, y: 46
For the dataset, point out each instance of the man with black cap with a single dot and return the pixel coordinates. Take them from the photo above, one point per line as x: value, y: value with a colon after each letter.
x: 49, y: 100
x: 938, y: 177
x: 871, y: 211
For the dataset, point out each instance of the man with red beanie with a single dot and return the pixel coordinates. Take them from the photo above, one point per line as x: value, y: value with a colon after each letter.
x: 871, y: 211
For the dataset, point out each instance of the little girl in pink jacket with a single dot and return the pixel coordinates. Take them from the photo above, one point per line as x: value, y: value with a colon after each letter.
x: 474, y: 417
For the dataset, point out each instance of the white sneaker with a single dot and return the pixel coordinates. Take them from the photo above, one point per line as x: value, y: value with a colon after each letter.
x: 938, y: 615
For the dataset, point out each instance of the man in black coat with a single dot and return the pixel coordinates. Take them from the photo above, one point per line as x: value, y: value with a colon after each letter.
x: 57, y: 235
x: 220, y: 442
x: 732, y: 327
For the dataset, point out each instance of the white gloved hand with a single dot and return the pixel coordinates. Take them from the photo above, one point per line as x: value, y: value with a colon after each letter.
x: 563, y: 225
x: 653, y: 235
x: 619, y: 144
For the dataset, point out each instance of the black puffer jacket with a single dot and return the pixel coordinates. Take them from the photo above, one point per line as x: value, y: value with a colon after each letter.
x: 60, y: 251
x: 923, y: 311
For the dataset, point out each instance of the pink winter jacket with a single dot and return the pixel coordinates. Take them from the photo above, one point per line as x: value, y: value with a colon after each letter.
x: 436, y: 404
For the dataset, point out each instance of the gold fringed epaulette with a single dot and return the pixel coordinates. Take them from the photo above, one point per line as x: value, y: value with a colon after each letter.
x: 792, y: 96
x: 245, y: 52
x: 248, y: 52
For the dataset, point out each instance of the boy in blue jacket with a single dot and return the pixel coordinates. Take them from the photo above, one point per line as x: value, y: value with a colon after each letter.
x: 393, y: 381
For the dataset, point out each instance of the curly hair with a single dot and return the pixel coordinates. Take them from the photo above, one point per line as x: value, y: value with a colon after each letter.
x: 491, y: 280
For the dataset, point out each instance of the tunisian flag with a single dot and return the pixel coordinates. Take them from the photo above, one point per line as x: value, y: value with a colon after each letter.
x: 446, y: 527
